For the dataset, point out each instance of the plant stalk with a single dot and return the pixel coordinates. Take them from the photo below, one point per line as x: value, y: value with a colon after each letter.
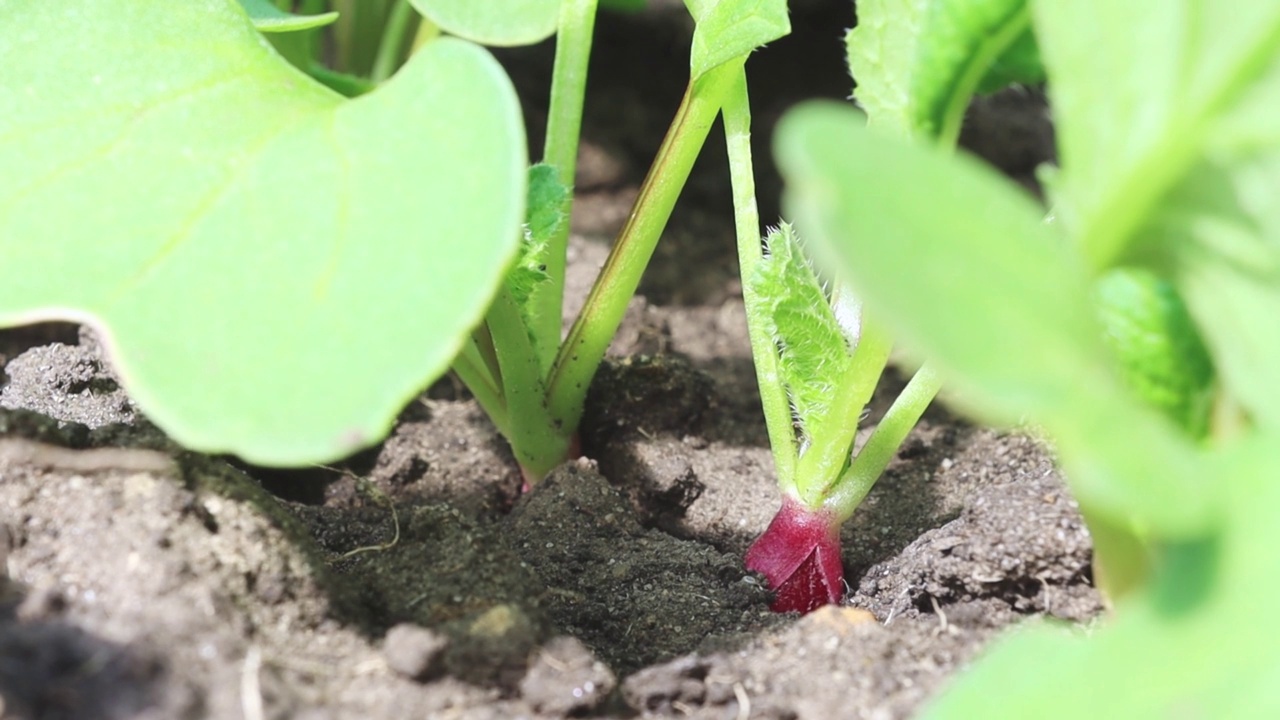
x: 584, y: 348
x: 821, y: 465
x: 391, y: 47
x: 564, y: 126
x: 870, y: 462
x: 746, y: 218
x: 471, y: 370
x: 536, y: 438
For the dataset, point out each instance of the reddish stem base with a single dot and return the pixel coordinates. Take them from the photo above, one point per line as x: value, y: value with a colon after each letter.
x: 799, y: 554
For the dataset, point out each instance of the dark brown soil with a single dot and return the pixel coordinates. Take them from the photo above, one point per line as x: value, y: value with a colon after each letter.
x: 413, y: 581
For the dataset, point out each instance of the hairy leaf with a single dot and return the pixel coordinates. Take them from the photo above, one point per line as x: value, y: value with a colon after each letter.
x: 277, y: 269
x: 730, y: 29
x: 813, y: 352
x: 545, y: 215
x: 494, y: 22
x: 883, y: 58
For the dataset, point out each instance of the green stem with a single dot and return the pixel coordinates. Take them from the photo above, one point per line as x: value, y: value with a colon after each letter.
x: 536, y: 439
x: 832, y: 440
x: 348, y: 85
x: 564, y: 125
x: 391, y: 46
x: 871, y: 461
x: 427, y: 31
x: 591, y: 333
x: 746, y: 217
x: 471, y: 370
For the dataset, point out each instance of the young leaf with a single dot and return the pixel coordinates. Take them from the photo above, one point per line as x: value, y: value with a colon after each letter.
x: 544, y: 217
x: 812, y: 348
x: 882, y: 51
x: 1160, y: 351
x: 1137, y: 88
x: 277, y: 269
x: 959, y: 263
x: 270, y: 19
x: 1200, y: 640
x: 493, y: 22
x: 730, y: 29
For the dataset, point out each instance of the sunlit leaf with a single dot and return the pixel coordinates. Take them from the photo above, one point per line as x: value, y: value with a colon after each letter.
x: 277, y: 269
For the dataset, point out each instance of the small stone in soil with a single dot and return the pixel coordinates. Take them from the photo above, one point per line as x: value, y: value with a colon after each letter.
x: 415, y: 652
x: 566, y: 679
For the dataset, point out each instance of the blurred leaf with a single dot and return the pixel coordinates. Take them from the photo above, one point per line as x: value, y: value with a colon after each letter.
x: 1137, y: 88
x: 1161, y: 354
x: 277, y: 269
x: 270, y: 19
x: 494, y: 22
x: 958, y: 263
x: 812, y: 351
x: 1221, y: 231
x: 730, y: 29
x: 1198, y: 643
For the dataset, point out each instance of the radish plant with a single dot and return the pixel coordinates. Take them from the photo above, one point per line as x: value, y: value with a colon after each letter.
x: 1135, y: 327
x: 277, y: 269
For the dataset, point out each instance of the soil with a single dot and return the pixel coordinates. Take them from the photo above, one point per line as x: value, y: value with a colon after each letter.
x: 413, y: 580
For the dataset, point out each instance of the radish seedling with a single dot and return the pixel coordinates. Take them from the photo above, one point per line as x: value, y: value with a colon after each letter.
x: 1170, y: 164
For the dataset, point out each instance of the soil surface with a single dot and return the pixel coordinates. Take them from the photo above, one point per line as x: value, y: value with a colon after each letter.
x: 413, y: 580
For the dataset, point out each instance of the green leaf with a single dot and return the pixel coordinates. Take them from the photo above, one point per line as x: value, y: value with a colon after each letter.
x: 1199, y: 642
x: 277, y: 269
x: 544, y: 217
x: 958, y: 263
x: 918, y: 63
x: 1221, y: 231
x: 813, y: 353
x: 624, y: 5
x: 730, y: 29
x: 494, y: 22
x: 960, y: 44
x: 1161, y: 354
x: 270, y: 19
x: 1019, y: 64
x: 1137, y: 88
x: 883, y: 58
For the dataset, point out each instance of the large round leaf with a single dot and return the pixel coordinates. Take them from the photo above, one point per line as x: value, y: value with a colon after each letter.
x: 277, y: 270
